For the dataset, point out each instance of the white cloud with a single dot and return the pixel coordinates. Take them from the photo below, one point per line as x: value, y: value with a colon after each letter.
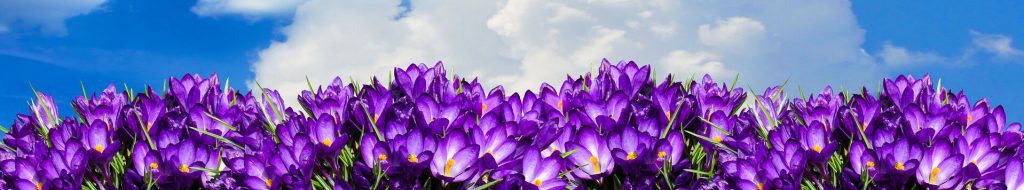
x: 896, y: 55
x: 997, y: 44
x: 521, y: 43
x: 249, y: 8
x: 46, y: 15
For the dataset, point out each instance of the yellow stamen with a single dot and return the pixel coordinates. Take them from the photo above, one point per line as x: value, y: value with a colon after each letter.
x: 537, y: 182
x: 328, y: 142
x: 817, y: 148
x: 490, y: 152
x: 413, y: 159
x: 969, y: 118
x: 375, y: 117
x: 483, y: 107
x: 153, y: 165
x: 597, y: 165
x: 98, y: 148
x: 559, y: 105
x: 899, y: 166
x: 631, y: 156
x: 870, y: 164
x: 269, y: 183
x: 553, y: 149
x: 149, y: 125
x: 382, y: 157
x: 935, y: 171
x: 717, y: 139
x: 668, y: 114
x: 448, y: 167
x: 39, y: 186
x: 183, y: 168
x: 662, y: 154
x: 975, y: 162
x: 760, y: 186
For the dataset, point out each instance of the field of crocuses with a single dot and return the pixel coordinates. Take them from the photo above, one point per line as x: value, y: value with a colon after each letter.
x: 619, y: 128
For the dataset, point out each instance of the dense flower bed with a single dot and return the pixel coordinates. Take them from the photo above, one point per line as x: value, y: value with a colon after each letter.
x: 619, y: 129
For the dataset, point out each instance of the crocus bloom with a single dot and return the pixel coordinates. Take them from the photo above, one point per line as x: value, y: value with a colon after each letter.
x: 65, y: 167
x: 180, y: 159
x: 105, y: 108
x: 99, y: 143
x: 329, y: 141
x: 541, y: 172
x: 940, y: 165
x: 454, y: 158
x: 592, y: 155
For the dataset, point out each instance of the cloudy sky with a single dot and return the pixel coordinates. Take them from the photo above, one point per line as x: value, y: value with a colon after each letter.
x: 57, y: 45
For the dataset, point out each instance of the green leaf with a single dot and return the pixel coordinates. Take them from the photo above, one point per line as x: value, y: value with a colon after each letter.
x: 568, y: 153
x: 718, y: 144
x: 488, y: 184
x: 205, y: 169
x: 218, y: 137
x: 222, y: 122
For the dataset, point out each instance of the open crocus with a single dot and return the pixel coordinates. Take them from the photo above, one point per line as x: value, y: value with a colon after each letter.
x: 99, y: 143
x: 940, y: 166
x: 454, y: 158
x: 541, y: 172
x: 591, y: 154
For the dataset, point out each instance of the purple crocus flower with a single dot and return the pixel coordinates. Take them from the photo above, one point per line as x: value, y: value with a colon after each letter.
x: 592, y: 155
x: 940, y: 166
x: 44, y: 111
x: 329, y: 141
x: 256, y: 174
x: 541, y: 172
x: 669, y: 151
x: 104, y: 109
x: 190, y: 89
x: 495, y: 147
x: 179, y: 161
x: 65, y: 167
x: 818, y: 142
x: 454, y: 158
x: 1014, y: 177
x: 901, y: 158
x: 333, y: 100
x: 294, y: 162
x: 144, y: 112
x: 100, y: 143
x: 414, y: 150
x: 630, y: 148
x: 145, y: 161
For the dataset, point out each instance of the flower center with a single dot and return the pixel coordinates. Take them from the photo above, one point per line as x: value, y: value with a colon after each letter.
x: 668, y: 114
x: 870, y: 164
x: 935, y: 171
x: 412, y: 158
x: 327, y: 142
x: 490, y: 152
x: 760, y: 186
x: 662, y: 154
x: 148, y: 126
x: 631, y: 155
x: 153, y: 165
x: 99, y: 148
x: 899, y: 166
x: 269, y: 182
x: 448, y: 167
x: 382, y: 157
x: 969, y: 118
x: 39, y: 186
x: 817, y: 148
x: 375, y: 117
x: 717, y: 139
x: 183, y: 168
x: 483, y: 107
x: 597, y: 165
x: 560, y: 105
x: 537, y: 182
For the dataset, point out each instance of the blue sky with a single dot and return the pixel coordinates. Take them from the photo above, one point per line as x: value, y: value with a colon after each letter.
x: 135, y: 43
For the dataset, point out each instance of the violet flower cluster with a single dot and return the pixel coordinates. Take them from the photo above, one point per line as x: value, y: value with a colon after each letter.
x: 619, y: 128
